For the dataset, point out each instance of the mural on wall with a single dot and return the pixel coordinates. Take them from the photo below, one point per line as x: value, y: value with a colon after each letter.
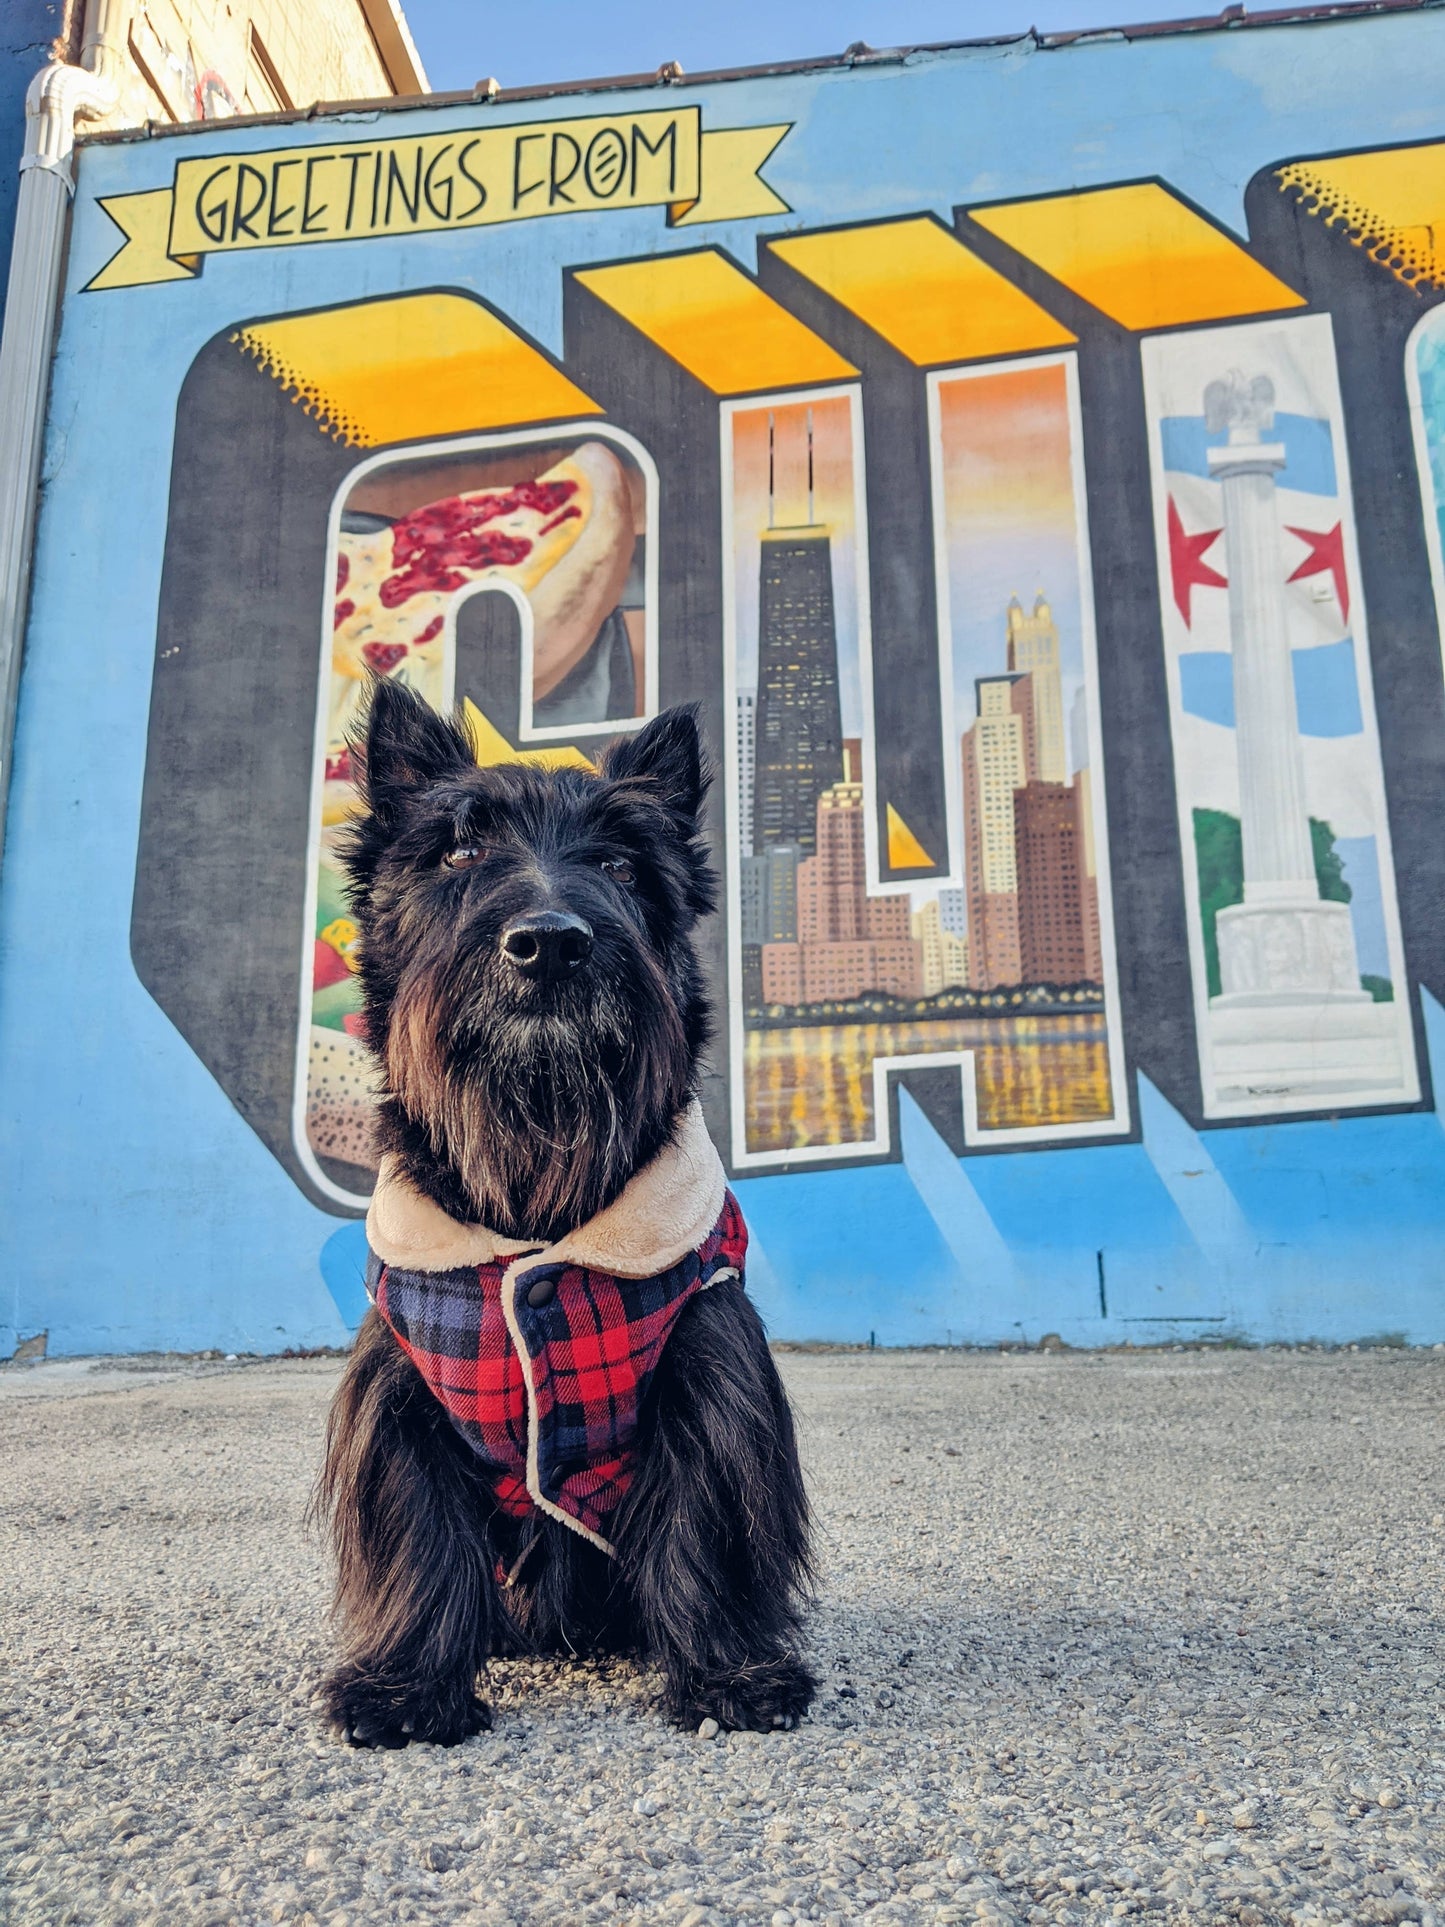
x: 1047, y: 545
x: 516, y: 572
x: 1294, y: 932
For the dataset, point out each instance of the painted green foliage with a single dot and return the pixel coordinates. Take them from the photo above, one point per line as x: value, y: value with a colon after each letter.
x: 337, y: 992
x: 1219, y: 858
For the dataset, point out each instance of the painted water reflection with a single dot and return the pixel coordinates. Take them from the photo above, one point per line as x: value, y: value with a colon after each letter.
x: 814, y: 1084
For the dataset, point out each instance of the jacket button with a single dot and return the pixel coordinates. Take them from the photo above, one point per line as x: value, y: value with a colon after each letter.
x: 543, y: 1292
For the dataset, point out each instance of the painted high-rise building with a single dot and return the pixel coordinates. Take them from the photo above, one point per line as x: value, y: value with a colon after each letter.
x: 798, y: 731
x: 746, y: 721
x: 1033, y: 650
x: 1079, y: 753
x: 1088, y: 880
x: 833, y: 883
x: 995, y: 764
x: 953, y: 911
x: 847, y: 942
x: 944, y: 951
x: 1088, y: 870
x: 1052, y: 945
x: 752, y: 882
x: 768, y: 905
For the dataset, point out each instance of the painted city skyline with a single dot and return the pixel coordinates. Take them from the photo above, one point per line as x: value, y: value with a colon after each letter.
x: 1003, y: 970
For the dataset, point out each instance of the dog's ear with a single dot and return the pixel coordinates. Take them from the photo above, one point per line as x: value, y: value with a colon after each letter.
x: 668, y: 754
x: 403, y: 745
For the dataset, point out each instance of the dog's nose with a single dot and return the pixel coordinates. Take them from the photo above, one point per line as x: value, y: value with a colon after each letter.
x: 547, y: 945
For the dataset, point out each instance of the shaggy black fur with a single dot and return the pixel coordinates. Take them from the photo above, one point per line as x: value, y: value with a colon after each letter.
x: 532, y: 993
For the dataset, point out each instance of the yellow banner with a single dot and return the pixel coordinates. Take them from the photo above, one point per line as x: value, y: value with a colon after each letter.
x: 438, y: 183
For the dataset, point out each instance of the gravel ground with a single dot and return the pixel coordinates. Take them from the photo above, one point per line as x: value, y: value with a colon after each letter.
x: 1150, y: 1635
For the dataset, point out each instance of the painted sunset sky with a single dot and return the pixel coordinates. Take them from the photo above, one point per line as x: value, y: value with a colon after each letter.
x: 1011, y: 520
x: 833, y: 506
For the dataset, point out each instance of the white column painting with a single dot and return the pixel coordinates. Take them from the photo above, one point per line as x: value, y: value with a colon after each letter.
x: 1300, y: 992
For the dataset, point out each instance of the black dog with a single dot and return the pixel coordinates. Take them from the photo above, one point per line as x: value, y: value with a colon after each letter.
x: 533, y: 997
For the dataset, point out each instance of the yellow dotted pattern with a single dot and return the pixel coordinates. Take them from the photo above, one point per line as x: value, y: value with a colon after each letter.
x: 306, y: 394
x: 1389, y: 213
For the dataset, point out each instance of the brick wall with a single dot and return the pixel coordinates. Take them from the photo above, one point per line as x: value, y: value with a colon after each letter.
x: 206, y: 59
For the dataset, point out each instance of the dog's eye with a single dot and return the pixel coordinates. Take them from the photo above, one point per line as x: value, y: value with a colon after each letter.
x: 619, y: 871
x: 466, y: 856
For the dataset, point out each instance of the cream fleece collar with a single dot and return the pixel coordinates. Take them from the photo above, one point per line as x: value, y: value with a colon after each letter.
x: 664, y: 1211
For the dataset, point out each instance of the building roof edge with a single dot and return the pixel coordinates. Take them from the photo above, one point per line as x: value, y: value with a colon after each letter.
x: 859, y: 57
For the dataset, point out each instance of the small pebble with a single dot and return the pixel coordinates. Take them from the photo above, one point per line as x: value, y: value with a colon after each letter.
x: 1388, y: 1797
x: 708, y: 1730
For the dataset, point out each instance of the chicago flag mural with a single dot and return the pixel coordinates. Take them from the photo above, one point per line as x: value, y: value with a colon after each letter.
x: 1295, y: 946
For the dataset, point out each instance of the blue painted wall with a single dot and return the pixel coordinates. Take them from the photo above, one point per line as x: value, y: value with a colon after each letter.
x: 143, y: 1212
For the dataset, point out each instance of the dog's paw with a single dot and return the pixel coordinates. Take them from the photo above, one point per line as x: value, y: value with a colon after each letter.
x: 760, y: 1696
x: 364, y: 1711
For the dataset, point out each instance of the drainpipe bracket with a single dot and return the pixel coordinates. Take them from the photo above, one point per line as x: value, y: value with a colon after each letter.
x: 52, y: 165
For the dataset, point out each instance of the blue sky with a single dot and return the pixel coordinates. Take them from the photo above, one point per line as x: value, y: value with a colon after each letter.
x: 461, y: 42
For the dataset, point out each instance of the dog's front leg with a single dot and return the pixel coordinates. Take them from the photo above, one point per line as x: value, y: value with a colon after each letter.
x: 712, y: 1538
x: 416, y: 1601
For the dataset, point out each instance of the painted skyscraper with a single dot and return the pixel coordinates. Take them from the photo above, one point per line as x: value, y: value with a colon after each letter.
x: 747, y: 720
x: 945, y: 951
x: 953, y: 912
x: 995, y: 764
x: 848, y: 942
x: 798, y: 732
x: 1052, y: 944
x: 1033, y: 651
x: 1088, y: 858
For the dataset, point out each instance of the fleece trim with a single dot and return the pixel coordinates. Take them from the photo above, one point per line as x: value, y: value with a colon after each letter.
x: 663, y: 1212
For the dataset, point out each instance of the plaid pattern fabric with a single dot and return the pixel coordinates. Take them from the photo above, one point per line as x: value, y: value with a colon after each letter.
x: 588, y: 1353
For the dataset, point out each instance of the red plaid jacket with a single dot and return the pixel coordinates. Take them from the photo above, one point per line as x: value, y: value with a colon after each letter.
x: 542, y: 1356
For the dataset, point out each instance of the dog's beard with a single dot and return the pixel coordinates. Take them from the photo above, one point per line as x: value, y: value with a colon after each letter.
x: 542, y: 1115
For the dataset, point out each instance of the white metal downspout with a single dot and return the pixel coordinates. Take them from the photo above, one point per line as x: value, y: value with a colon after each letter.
x: 58, y: 96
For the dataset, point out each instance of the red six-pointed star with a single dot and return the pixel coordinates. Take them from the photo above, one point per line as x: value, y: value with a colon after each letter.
x: 1187, y: 566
